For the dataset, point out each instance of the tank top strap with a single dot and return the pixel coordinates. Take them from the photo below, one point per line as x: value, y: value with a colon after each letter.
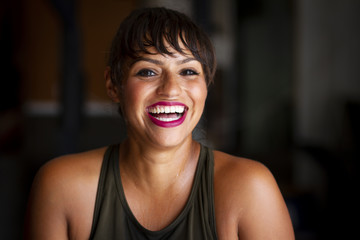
x: 208, y: 182
x: 105, y: 174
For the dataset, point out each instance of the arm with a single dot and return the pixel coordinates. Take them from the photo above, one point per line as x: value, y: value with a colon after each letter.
x: 265, y: 215
x: 248, y: 202
x: 46, y: 218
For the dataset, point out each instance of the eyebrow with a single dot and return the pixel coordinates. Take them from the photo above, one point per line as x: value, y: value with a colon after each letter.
x: 186, y: 60
x: 157, y: 62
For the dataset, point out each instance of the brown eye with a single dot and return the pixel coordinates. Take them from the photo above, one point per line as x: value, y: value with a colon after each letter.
x: 188, y: 72
x: 145, y: 73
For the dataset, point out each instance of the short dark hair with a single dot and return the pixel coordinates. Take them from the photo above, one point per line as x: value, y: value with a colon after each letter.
x: 156, y: 27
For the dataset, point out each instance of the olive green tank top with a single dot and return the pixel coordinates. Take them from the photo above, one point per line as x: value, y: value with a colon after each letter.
x: 113, y: 218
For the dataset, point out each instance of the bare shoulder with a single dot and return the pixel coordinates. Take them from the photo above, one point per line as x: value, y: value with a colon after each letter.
x: 240, y: 167
x: 69, y: 171
x: 237, y: 179
x: 67, y: 167
x: 62, y: 187
x: 248, y: 200
x: 241, y: 174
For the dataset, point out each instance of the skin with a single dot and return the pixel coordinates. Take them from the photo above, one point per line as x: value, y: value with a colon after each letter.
x: 154, y: 168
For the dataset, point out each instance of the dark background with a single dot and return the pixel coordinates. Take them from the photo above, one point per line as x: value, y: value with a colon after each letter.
x: 287, y: 93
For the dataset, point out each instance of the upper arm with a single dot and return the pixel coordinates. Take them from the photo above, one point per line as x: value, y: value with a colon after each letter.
x: 46, y: 213
x: 248, y: 202
x: 264, y: 215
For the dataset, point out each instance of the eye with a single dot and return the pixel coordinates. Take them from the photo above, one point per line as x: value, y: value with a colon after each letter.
x: 145, y: 73
x: 188, y: 72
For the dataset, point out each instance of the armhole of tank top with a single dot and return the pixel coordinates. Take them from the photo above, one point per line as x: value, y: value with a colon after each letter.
x: 211, y: 190
x: 99, y: 192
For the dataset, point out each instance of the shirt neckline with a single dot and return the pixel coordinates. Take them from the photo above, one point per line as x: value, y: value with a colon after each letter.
x: 183, y: 213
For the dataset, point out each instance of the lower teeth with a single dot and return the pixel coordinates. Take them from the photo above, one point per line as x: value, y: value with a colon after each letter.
x: 167, y: 119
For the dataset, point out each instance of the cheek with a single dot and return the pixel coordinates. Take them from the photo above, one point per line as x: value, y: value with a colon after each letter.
x: 199, y: 93
x: 134, y: 96
x: 132, y: 93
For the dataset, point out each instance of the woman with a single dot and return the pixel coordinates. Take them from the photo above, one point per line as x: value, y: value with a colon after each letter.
x: 159, y: 183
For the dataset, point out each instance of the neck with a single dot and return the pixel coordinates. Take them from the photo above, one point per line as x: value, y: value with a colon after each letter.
x: 154, y: 169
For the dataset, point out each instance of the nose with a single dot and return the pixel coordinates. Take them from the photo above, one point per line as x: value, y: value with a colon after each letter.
x: 169, y: 86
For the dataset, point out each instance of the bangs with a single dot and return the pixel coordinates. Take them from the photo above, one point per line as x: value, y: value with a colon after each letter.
x: 161, y: 31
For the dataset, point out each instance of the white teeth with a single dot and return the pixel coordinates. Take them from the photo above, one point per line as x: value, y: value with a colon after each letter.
x: 180, y: 109
x: 167, y: 119
x: 166, y: 109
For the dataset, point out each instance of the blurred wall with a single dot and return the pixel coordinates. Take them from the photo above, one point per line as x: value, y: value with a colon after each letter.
x: 327, y: 68
x: 44, y: 44
x: 327, y: 110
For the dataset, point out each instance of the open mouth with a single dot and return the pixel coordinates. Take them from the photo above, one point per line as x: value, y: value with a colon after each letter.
x: 167, y: 114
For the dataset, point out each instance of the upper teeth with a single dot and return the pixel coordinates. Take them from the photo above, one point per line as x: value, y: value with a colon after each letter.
x: 167, y: 109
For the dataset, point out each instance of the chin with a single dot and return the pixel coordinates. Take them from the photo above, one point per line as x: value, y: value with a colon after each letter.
x: 170, y: 140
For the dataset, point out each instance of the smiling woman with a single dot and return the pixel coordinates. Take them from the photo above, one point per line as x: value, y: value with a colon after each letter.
x: 159, y: 183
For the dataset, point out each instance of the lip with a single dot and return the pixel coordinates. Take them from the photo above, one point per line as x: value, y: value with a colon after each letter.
x: 169, y: 124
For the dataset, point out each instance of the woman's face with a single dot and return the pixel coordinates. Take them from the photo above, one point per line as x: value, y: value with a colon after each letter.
x: 163, y: 98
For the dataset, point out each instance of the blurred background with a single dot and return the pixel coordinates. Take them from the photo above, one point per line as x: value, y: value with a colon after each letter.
x: 287, y: 93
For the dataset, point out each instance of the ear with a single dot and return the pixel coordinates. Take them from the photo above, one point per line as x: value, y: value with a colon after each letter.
x: 111, y: 88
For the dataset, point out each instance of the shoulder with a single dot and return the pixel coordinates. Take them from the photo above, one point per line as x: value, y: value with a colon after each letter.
x: 247, y: 194
x: 65, y: 172
x: 230, y: 170
x: 240, y: 167
x: 240, y: 178
x: 71, y: 166
x: 62, y: 187
x: 68, y: 174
